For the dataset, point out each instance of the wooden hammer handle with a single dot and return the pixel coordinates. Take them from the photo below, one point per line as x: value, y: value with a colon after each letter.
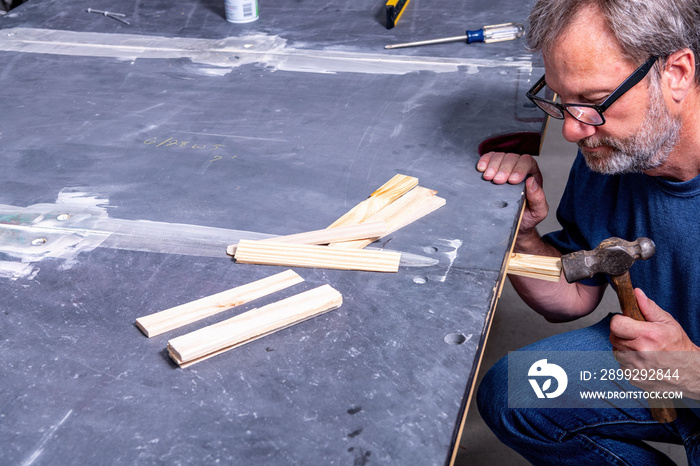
x: 661, y: 410
x: 625, y: 293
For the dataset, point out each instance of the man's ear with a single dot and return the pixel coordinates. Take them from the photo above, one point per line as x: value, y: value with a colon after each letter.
x: 679, y: 73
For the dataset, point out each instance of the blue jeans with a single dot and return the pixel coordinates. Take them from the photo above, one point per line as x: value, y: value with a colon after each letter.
x: 582, y: 436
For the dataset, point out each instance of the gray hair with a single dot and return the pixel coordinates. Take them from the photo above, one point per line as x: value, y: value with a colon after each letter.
x: 644, y: 28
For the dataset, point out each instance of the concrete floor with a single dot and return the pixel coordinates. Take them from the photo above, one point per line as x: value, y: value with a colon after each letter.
x: 515, y: 325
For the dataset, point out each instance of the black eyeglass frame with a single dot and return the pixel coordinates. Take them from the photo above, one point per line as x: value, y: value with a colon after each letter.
x: 638, y: 74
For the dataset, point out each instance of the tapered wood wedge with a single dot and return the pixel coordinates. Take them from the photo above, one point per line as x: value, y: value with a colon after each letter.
x: 540, y: 267
x: 385, y: 195
x: 224, y: 336
x: 415, y: 204
x: 367, y: 230
x: 301, y: 255
x: 175, y: 317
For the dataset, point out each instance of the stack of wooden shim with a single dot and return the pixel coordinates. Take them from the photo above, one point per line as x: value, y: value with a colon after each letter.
x: 201, y: 344
x: 215, y: 339
x: 397, y: 203
x: 394, y: 205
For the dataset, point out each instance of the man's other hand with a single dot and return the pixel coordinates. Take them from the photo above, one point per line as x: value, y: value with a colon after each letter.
x: 500, y: 168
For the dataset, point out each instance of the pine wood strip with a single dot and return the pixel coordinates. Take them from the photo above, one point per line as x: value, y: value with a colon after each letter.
x: 302, y: 255
x: 410, y: 207
x: 207, y: 342
x: 178, y: 316
x: 385, y: 195
x: 540, y: 267
x: 371, y: 230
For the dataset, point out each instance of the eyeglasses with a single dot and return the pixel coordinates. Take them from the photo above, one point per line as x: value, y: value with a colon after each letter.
x: 590, y: 114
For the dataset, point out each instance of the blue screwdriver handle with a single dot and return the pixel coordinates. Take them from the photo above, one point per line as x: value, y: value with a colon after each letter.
x: 475, y: 36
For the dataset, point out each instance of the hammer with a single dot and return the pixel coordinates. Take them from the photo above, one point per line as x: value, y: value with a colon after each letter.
x: 615, y: 256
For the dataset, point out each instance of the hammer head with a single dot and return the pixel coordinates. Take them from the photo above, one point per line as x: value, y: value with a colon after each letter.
x: 613, y: 256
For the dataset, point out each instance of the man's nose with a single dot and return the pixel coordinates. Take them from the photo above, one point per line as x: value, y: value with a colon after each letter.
x: 573, y: 130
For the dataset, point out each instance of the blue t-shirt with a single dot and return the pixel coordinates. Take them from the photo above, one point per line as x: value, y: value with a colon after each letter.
x: 595, y: 207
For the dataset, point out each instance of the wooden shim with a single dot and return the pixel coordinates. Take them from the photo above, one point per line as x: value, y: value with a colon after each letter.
x: 540, y: 267
x: 371, y: 230
x: 410, y: 207
x: 302, y: 255
x: 385, y: 195
x: 207, y: 342
x: 175, y: 317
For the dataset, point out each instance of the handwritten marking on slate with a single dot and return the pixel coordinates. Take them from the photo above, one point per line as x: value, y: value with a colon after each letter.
x: 176, y: 144
x: 170, y: 142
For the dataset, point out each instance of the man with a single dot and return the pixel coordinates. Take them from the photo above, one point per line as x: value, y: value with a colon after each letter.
x: 637, y: 174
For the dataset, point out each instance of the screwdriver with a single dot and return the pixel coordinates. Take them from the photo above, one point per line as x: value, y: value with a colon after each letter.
x: 492, y: 33
x: 109, y: 14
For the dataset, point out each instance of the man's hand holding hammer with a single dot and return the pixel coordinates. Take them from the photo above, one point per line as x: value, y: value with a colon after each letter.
x: 665, y: 339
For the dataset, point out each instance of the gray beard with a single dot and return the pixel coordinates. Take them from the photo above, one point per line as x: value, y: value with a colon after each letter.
x: 646, y: 150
